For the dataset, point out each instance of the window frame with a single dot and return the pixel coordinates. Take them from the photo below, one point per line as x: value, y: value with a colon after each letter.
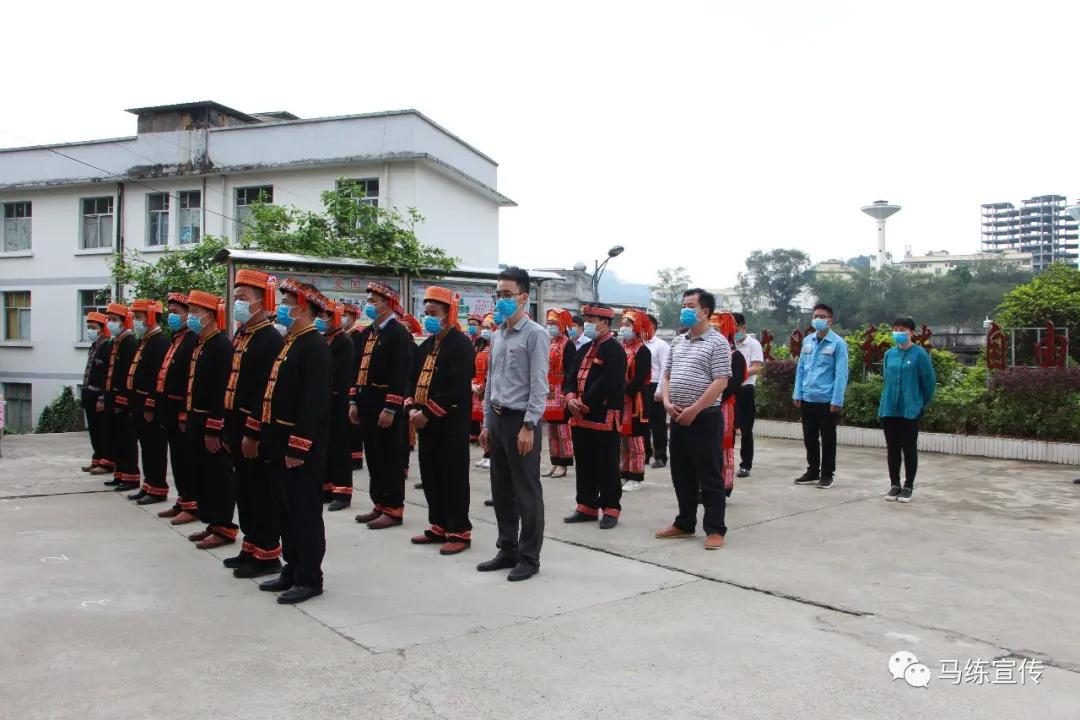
x: 241, y: 222
x: 84, y: 309
x: 83, y: 216
x: 20, y: 312
x: 193, y: 215
x: 25, y: 219
x: 152, y: 222
x: 20, y: 401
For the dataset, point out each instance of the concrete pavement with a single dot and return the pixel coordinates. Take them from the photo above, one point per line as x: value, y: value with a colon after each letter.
x: 106, y: 611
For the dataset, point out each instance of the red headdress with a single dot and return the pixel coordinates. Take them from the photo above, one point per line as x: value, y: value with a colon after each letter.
x: 260, y: 281
x: 206, y: 301
x: 121, y: 310
x: 101, y: 319
x: 562, y: 318
x: 391, y: 296
x: 446, y: 297
x: 304, y: 295
x: 178, y: 298
x: 410, y: 322
x: 595, y: 311
x: 642, y: 326
x: 152, y: 308
x: 725, y: 323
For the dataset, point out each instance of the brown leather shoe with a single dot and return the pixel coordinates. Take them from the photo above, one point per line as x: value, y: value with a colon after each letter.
x: 368, y: 516
x: 170, y: 513
x: 213, y: 541
x: 384, y: 521
x: 99, y: 470
x: 671, y: 532
x: 714, y: 541
x: 88, y: 468
x: 183, y: 518
x: 427, y: 540
x: 199, y: 536
x: 453, y: 548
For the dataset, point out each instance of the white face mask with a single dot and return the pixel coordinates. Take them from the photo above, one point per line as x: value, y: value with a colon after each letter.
x: 92, y: 334
x: 115, y: 328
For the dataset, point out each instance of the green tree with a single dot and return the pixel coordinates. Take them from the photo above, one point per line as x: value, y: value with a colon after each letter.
x: 668, y: 291
x: 63, y: 414
x: 1054, y: 295
x: 346, y: 227
x: 175, y: 271
x: 777, y: 276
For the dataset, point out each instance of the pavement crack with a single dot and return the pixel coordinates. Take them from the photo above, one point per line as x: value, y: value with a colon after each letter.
x: 57, y: 494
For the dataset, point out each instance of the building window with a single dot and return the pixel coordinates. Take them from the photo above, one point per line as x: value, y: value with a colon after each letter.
x: 16, y: 226
x: 17, y: 315
x: 245, y: 198
x: 157, y: 219
x: 367, y: 190
x: 97, y: 227
x: 190, y: 217
x: 19, y: 411
x: 91, y: 301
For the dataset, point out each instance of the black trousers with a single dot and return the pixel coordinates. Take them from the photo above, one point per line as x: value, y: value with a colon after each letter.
x: 697, y: 471
x: 215, y: 482
x: 745, y: 414
x: 599, y: 485
x: 339, y: 462
x: 902, y: 438
x: 98, y: 427
x: 154, y: 445
x: 444, y: 465
x: 356, y: 445
x: 258, y: 502
x: 125, y: 444
x: 385, y: 450
x: 303, y: 536
x: 656, y: 440
x: 819, y: 421
x: 181, y: 459
x: 515, y: 488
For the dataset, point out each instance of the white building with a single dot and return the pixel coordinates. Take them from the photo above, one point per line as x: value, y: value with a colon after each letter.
x: 190, y: 171
x: 940, y: 262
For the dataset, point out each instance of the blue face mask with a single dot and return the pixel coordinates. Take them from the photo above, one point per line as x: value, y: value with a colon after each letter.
x: 590, y: 331
x: 320, y: 325
x: 498, y: 316
x: 432, y: 324
x: 506, y: 307
x: 900, y: 338
x: 194, y: 323
x: 486, y: 334
x: 115, y: 328
x: 626, y: 333
x: 371, y: 311
x: 688, y: 317
x: 573, y: 332
x: 740, y: 336
x: 241, y: 311
x: 473, y: 331
x: 283, y: 317
x: 92, y: 335
x: 820, y: 324
x: 175, y: 322
x: 139, y: 327
x: 553, y: 330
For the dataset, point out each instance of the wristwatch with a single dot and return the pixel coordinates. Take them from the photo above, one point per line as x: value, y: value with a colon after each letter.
x: 529, y: 425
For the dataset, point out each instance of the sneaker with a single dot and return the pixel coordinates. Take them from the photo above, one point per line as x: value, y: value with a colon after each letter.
x: 486, y: 463
x: 894, y: 492
x: 807, y: 478
x: 825, y: 482
x: 743, y: 472
x: 632, y: 485
x: 905, y: 495
x: 479, y: 463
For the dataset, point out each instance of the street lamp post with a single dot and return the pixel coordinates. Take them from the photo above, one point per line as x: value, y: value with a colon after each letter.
x: 598, y: 269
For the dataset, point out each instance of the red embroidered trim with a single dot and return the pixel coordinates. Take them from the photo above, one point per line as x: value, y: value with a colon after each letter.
x: 395, y: 399
x: 328, y: 487
x: 435, y: 408
x: 611, y: 512
x: 460, y: 536
x: 261, y: 554
x: 188, y: 505
x: 215, y: 423
x: 358, y: 455
x: 182, y: 416
x: 128, y: 477
x: 252, y: 424
x: 611, y: 423
x: 341, y: 490
x: 397, y: 512
x: 107, y: 464
x: 226, y: 532
x: 155, y: 491
x: 592, y: 512
x: 248, y: 547
x: 149, y: 402
x: 298, y: 443
x: 121, y: 400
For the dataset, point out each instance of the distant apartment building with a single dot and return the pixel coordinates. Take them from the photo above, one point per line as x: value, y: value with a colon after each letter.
x: 193, y: 170
x: 940, y: 262
x: 1039, y: 226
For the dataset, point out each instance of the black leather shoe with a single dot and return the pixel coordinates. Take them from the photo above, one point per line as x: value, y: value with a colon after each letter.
x: 579, y: 517
x: 522, y: 571
x: 608, y: 521
x: 489, y: 503
x: 808, y: 478
x: 137, y: 496
x: 502, y: 561
x: 257, y: 568
x: 298, y: 594
x: 278, y: 584
x: 338, y: 504
x: 112, y: 482
x: 149, y: 499
x: 238, y: 560
x: 125, y: 487
x: 418, y: 486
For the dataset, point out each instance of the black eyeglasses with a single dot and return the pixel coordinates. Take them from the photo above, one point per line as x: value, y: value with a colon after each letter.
x: 505, y: 295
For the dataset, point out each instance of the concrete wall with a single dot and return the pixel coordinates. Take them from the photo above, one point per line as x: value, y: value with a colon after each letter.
x: 458, y: 220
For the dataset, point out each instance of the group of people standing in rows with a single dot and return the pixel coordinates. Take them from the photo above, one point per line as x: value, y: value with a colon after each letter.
x: 271, y: 424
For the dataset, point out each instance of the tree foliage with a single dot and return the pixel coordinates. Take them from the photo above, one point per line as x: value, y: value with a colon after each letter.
x: 63, y: 414
x: 346, y: 227
x: 174, y: 271
x: 777, y: 277
x: 668, y: 291
x: 1052, y: 295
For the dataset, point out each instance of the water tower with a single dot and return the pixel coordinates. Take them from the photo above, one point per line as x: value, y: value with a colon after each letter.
x: 881, y: 210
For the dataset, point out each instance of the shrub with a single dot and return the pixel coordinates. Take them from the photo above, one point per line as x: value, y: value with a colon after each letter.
x: 63, y: 414
x: 773, y: 394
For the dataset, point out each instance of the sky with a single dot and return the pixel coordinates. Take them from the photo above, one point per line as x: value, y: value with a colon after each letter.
x: 691, y: 133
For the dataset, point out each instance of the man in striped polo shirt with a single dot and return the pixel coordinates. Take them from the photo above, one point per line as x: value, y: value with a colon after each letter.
x: 695, y: 374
